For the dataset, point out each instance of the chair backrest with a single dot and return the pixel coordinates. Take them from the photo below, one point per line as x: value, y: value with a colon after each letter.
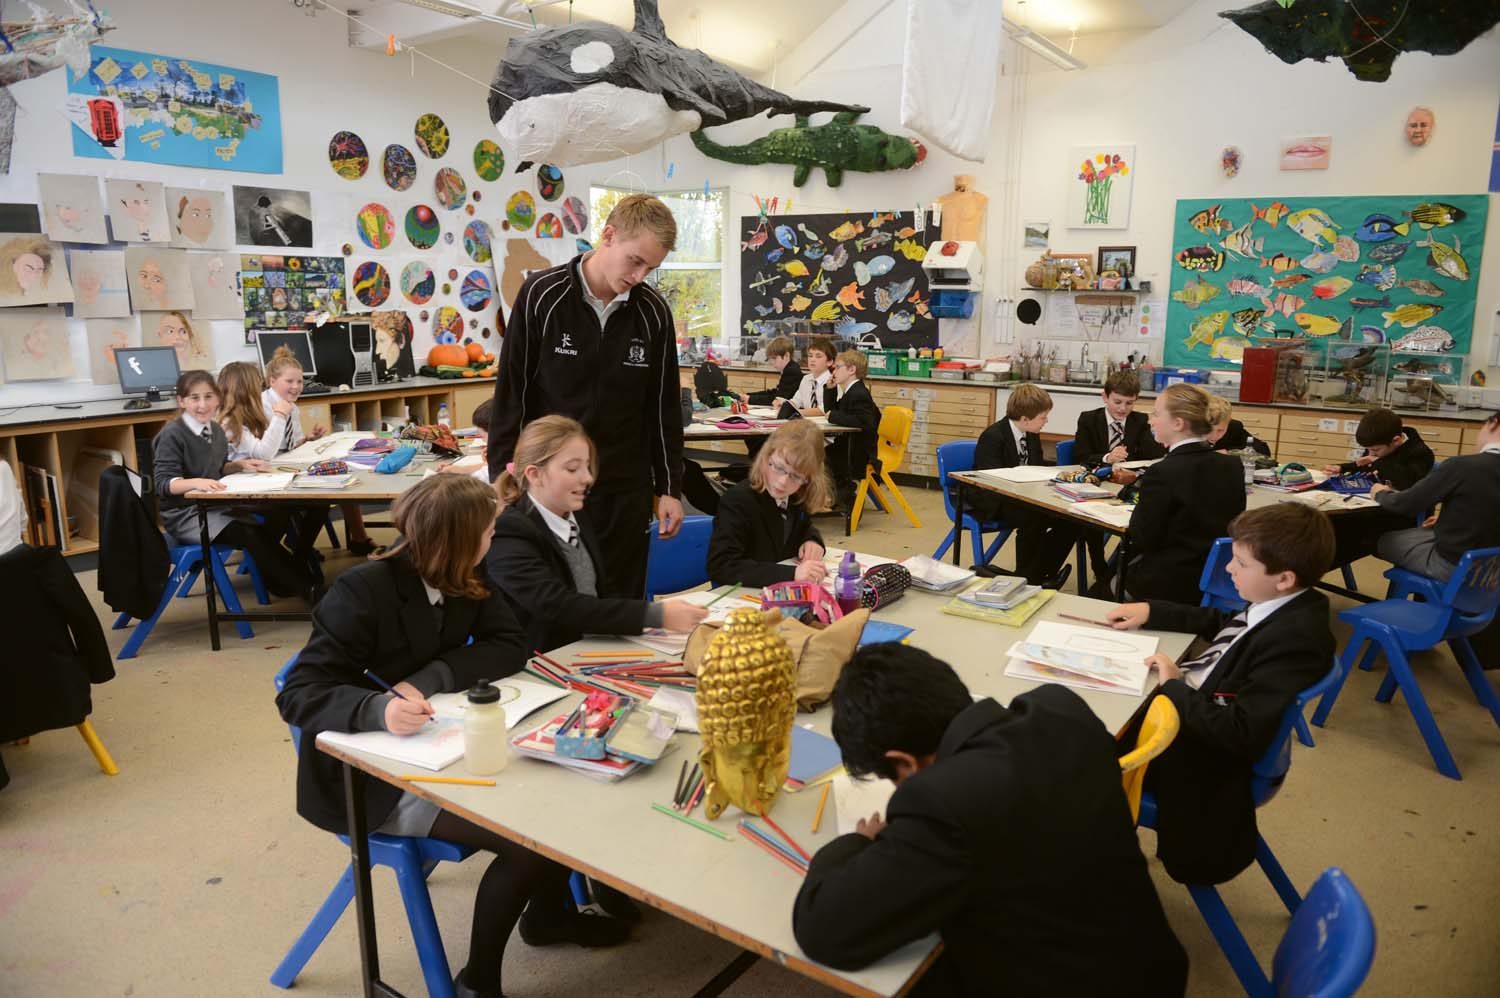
x: 1474, y: 586
x: 1065, y: 452
x: 1158, y: 728
x: 895, y: 433
x: 681, y: 562
x: 280, y: 682
x: 1269, y: 771
x: 1328, y: 949
x: 957, y: 455
x: 1216, y: 585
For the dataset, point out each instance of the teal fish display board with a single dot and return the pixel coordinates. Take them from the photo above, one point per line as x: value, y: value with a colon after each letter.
x: 1381, y: 269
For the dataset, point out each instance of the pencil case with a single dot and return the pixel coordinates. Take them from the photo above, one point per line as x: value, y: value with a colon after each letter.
x: 884, y: 584
x: 332, y: 467
x: 395, y: 460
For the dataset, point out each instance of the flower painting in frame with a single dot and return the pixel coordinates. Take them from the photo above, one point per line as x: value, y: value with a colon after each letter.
x: 1099, y: 187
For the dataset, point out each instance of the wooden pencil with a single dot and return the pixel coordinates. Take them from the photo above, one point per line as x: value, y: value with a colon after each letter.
x: 822, y: 802
x: 460, y: 780
x: 782, y: 832
x: 614, y: 654
x: 771, y: 850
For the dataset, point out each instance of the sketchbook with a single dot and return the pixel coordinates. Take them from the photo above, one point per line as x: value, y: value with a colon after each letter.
x: 1019, y: 475
x: 1093, y: 658
x: 858, y: 799
x: 248, y: 482
x: 518, y: 698
x: 438, y: 745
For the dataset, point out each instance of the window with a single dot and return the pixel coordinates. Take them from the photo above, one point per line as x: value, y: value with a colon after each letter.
x: 692, y: 276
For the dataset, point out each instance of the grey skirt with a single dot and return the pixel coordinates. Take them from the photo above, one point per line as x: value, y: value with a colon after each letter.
x: 412, y: 816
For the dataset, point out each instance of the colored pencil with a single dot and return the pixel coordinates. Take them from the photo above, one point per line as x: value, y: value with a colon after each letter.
x: 728, y: 592
x: 698, y: 793
x: 614, y: 654
x: 431, y: 714
x: 663, y: 809
x: 549, y: 661
x: 782, y: 832
x: 681, y: 779
x: 771, y: 850
x: 460, y: 780
x: 770, y: 840
x: 822, y: 802
x: 1085, y: 620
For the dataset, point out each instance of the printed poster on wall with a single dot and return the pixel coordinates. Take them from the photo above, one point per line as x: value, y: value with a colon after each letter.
x: 1400, y: 270
x: 171, y: 110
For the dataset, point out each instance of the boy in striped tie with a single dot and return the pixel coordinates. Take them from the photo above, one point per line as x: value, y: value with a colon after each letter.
x: 1232, y: 695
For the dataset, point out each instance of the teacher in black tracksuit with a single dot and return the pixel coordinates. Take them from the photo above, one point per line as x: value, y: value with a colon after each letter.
x: 591, y: 340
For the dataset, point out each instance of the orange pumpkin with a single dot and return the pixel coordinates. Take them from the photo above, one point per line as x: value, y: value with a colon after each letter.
x: 476, y: 352
x: 450, y: 354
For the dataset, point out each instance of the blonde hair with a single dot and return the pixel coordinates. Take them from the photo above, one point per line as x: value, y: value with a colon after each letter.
x: 1190, y: 404
x: 856, y: 360
x: 282, y: 359
x: 240, y: 384
x: 800, y: 443
x: 13, y: 251
x: 637, y: 213
x: 539, y: 443
x: 1219, y: 410
x: 442, y: 520
x: 1027, y: 401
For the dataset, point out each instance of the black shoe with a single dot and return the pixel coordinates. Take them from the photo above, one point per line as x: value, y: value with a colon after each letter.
x: 584, y: 928
x: 1059, y: 580
x: 614, y: 903
x: 986, y: 571
x: 313, y: 593
x: 462, y: 990
x: 361, y: 547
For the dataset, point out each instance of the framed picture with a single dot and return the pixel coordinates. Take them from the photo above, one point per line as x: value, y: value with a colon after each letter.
x: 1120, y: 259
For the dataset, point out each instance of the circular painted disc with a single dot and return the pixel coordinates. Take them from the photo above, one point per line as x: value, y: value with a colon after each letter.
x: 477, y: 291
x: 489, y: 160
x: 575, y: 216
x: 399, y: 167
x: 372, y: 285
x: 432, y: 136
x: 520, y: 210
x: 447, y: 325
x: 450, y: 188
x: 418, y: 282
x: 549, y: 226
x: 422, y: 226
x: 549, y: 182
x: 477, y: 237
x: 348, y: 156
x: 375, y: 225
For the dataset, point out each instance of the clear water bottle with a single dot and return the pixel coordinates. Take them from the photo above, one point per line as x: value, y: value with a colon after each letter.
x: 486, y: 749
x: 846, y: 588
x: 442, y: 414
x: 1247, y: 461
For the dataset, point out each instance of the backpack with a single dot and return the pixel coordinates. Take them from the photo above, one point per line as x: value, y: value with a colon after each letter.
x: 711, y: 383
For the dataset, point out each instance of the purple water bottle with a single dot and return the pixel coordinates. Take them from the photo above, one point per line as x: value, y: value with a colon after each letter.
x: 847, y: 588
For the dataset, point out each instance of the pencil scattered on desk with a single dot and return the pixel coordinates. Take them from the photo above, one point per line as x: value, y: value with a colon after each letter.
x: 774, y: 846
x: 623, y: 675
x: 716, y: 833
x: 464, y: 781
x: 822, y: 803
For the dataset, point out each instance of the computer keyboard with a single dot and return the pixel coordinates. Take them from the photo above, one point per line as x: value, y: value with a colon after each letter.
x: 315, y: 388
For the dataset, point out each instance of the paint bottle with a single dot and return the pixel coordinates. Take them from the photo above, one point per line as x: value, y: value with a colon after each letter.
x: 847, y: 587
x: 486, y: 748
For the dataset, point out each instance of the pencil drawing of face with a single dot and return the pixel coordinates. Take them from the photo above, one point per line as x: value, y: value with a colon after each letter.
x: 38, y: 342
x: 153, y: 282
x: 118, y: 340
x: 30, y: 270
x: 195, y: 219
x: 68, y: 216
x: 215, y: 269
x: 138, y: 205
x: 87, y: 286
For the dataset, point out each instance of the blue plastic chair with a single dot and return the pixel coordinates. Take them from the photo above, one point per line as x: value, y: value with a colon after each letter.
x: 1267, y: 776
x: 187, y: 565
x: 1329, y: 948
x: 1065, y: 452
x: 958, y: 455
x: 1465, y: 605
x: 1218, y: 588
x: 412, y: 859
x: 681, y: 562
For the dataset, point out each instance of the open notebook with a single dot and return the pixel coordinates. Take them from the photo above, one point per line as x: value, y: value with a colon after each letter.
x: 1091, y: 658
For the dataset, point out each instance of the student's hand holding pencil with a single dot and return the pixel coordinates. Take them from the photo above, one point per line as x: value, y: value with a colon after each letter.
x: 811, y: 571
x: 1128, y: 616
x: 407, y: 713
x: 681, y: 616
x: 1165, y: 667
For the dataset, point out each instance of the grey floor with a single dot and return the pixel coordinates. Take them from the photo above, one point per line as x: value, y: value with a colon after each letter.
x: 189, y: 873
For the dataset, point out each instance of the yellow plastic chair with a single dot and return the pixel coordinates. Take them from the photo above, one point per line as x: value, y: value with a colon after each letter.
x: 1157, y: 731
x: 890, y: 450
x: 91, y: 739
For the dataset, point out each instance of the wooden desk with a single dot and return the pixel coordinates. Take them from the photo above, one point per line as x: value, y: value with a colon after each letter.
x: 727, y: 888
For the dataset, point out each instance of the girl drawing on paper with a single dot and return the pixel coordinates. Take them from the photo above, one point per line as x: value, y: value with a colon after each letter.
x: 174, y: 330
x: 154, y: 283
x: 25, y: 267
x: 195, y: 219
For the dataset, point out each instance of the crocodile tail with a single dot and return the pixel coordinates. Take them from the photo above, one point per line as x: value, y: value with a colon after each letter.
x: 746, y: 155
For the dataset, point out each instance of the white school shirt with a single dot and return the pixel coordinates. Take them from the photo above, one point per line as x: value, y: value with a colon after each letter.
x: 284, y: 443
x: 804, y: 397
x: 603, y: 309
x: 561, y: 526
x: 12, y: 510
x: 264, y: 447
x: 1254, y: 615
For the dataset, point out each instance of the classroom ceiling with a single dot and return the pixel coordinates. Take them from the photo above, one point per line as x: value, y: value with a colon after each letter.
x: 1058, y: 18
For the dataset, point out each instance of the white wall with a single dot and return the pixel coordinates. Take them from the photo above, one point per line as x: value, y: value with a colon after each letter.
x: 325, y: 86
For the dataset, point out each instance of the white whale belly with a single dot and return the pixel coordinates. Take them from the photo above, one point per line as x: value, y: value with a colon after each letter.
x: 593, y: 124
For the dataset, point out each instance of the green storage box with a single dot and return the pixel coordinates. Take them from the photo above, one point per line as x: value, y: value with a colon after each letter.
x: 919, y: 368
x: 885, y: 361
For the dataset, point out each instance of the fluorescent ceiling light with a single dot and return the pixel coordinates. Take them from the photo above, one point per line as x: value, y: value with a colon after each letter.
x: 464, y: 12
x: 1040, y: 44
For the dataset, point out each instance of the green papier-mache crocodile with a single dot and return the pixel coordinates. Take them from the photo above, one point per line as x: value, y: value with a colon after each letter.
x: 837, y: 146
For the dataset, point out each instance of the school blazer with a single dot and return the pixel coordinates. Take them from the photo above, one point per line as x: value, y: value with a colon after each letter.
x: 1403, y: 467
x: 1016, y: 845
x: 750, y: 538
x: 1236, y: 438
x: 377, y: 617
x: 1091, y: 438
x: 786, y: 386
x: 1206, y: 831
x: 856, y: 408
x: 1186, y: 501
x: 527, y: 566
x: 997, y: 449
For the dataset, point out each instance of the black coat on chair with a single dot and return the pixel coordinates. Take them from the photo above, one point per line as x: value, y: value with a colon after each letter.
x: 1186, y: 502
x: 54, y: 645
x: 1205, y: 822
x: 133, y: 560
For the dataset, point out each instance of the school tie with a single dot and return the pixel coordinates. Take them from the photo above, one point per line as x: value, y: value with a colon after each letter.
x: 1116, y: 434
x: 207, y: 435
x: 1021, y: 450
x: 573, y: 533
x: 286, y: 438
x: 1197, y: 669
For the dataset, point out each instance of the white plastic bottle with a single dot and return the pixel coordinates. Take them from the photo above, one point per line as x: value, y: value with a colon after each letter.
x: 486, y: 747
x: 442, y: 414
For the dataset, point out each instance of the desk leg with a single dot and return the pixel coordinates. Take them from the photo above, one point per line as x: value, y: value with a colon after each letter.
x: 1120, y: 574
x: 364, y: 904
x: 1080, y: 551
x: 724, y: 978
x: 958, y: 520
x: 210, y: 593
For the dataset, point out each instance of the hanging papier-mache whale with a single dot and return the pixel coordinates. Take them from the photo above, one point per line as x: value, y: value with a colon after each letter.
x: 591, y: 92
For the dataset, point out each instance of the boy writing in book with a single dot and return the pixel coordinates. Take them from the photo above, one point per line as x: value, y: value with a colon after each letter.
x: 1231, y: 696
x: 1008, y: 835
x: 1397, y: 455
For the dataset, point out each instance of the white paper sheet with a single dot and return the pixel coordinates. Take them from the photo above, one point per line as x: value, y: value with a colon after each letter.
x: 328, y: 447
x: 1116, y: 515
x: 1020, y: 474
x: 438, y: 745
x: 679, y: 702
x: 252, y: 482
x: 857, y: 799
x: 518, y: 698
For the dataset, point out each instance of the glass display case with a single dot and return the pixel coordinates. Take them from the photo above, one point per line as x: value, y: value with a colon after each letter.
x: 1423, y: 381
x: 1352, y: 374
x: 1298, y: 366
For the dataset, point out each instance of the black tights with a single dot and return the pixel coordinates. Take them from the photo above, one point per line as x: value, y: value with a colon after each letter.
x: 279, y: 570
x: 515, y: 877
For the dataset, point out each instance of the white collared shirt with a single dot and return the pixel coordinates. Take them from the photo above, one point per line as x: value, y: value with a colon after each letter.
x: 1020, y: 434
x: 561, y: 526
x: 268, y: 400
x: 434, y: 596
x: 1490, y: 449
x: 1254, y: 615
x: 1189, y: 440
x: 12, y: 510
x: 603, y: 309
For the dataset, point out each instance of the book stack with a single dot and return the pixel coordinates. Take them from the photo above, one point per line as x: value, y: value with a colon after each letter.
x: 1081, y: 491
x: 1090, y: 658
x: 815, y: 759
x: 1014, y: 617
x: 324, y: 481
x: 936, y: 576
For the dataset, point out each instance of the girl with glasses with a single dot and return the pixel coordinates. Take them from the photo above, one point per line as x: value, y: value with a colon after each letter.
x: 766, y: 519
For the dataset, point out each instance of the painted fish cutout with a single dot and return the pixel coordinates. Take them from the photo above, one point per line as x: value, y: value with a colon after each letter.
x: 1283, y: 303
x: 756, y: 241
x: 1371, y: 302
x: 814, y: 251
x: 820, y: 287
x: 1378, y: 277
x: 791, y: 286
x: 1195, y: 292
x: 786, y: 237
x: 1244, y: 286
x: 912, y: 250
x: 796, y: 268
x: 776, y: 254
x: 846, y: 231
x: 1272, y: 213
x: 826, y: 312
x: 1290, y: 280
x: 1445, y: 259
x: 1430, y: 214
x: 1378, y: 228
x: 861, y: 272
x: 877, y: 238
x: 1322, y: 325
x: 1346, y: 249
x: 850, y: 296
x: 849, y: 329
x: 1206, y: 328
x: 1427, y: 339
x: 1230, y: 348
x: 905, y: 232
x: 764, y: 309
x: 1411, y: 314
x: 1371, y: 334
x: 808, y: 235
x: 1425, y: 288
x: 836, y: 258
x: 1314, y: 225
x: 1279, y: 264
x: 1320, y: 262
x: 893, y: 293
x: 800, y: 303
x: 899, y: 322
x: 1200, y: 258
x: 881, y: 265
x: 761, y: 280
x: 1248, y: 320
x: 1241, y: 245
x: 877, y: 219
x: 1331, y: 287
x: 1388, y: 252
x: 1209, y: 223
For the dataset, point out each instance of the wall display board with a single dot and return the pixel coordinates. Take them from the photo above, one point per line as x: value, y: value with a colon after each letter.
x: 284, y: 292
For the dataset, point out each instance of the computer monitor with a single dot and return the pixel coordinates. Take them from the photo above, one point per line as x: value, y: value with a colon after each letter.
x: 147, y: 370
x: 296, y: 340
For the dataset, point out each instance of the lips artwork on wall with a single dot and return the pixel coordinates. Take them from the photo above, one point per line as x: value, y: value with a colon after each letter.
x: 1309, y: 152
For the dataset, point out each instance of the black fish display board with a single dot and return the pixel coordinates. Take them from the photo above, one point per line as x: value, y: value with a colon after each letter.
x: 861, y: 271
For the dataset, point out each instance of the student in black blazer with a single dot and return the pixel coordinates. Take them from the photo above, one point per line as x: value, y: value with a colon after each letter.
x: 1231, y: 698
x: 1093, y: 441
x: 851, y: 453
x: 545, y: 558
x: 765, y: 520
x: 1186, y: 501
x: 1042, y: 541
x: 1008, y: 835
x: 779, y: 353
x: 408, y: 618
x: 1398, y: 456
